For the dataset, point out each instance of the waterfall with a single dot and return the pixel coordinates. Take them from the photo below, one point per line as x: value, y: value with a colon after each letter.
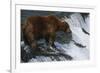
x: 76, y: 24
x: 77, y: 48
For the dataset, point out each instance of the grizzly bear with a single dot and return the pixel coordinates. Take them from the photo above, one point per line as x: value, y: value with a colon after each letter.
x: 37, y: 27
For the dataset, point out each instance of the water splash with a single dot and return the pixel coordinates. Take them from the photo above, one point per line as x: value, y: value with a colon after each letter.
x: 76, y: 23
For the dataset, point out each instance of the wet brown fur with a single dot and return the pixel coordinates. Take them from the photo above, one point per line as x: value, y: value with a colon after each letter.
x: 37, y: 27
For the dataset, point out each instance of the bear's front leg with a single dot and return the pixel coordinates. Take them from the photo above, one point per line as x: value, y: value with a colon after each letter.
x: 50, y: 41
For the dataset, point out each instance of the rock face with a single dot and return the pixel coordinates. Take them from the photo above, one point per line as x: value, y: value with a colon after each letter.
x: 69, y: 46
x: 52, y: 54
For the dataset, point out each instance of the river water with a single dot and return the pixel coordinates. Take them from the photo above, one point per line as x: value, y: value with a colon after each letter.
x: 74, y: 45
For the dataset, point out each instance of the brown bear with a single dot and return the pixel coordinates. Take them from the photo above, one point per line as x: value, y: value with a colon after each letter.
x: 37, y: 27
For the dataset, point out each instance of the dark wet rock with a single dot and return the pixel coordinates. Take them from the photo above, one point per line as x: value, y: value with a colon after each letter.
x: 78, y: 44
x: 52, y: 53
x: 25, y: 56
x: 85, y: 31
x: 26, y: 52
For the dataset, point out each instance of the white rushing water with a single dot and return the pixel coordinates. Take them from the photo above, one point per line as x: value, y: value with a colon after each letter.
x: 76, y: 23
